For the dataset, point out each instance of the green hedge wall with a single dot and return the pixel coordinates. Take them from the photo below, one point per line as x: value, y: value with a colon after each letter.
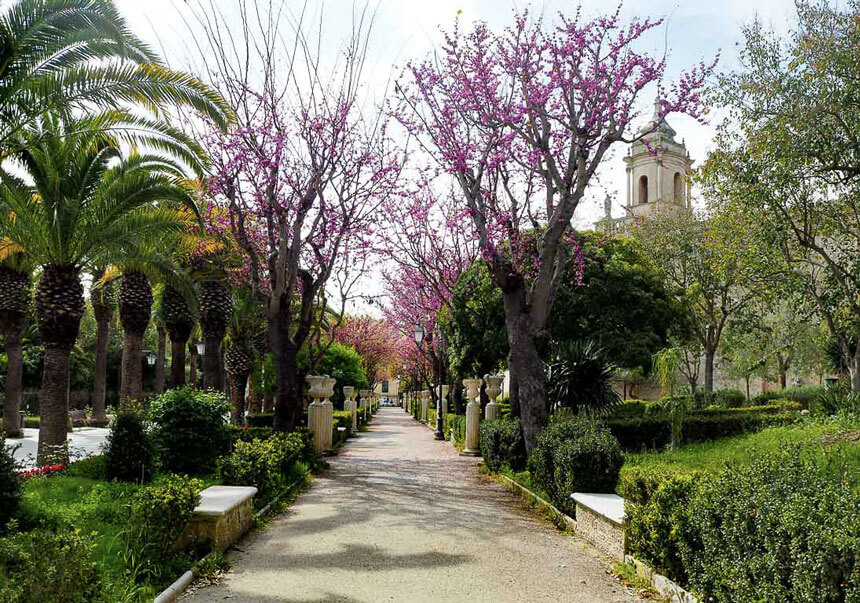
x: 655, y: 431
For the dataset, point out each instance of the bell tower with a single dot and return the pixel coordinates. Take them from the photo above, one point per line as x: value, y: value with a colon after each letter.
x: 658, y: 174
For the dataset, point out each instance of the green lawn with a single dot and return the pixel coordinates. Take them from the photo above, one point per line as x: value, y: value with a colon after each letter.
x: 839, y: 437
x: 98, y: 508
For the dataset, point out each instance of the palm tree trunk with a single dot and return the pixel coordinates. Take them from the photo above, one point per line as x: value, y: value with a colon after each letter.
x: 131, y: 388
x: 100, y: 376
x: 54, y: 407
x: 212, y: 374
x: 14, y: 373
x: 192, y: 371
x: 159, y: 361
x: 177, y: 363
x: 238, y: 384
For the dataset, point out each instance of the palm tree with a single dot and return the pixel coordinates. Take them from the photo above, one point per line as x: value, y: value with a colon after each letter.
x: 82, y: 210
x: 70, y: 55
x: 103, y: 302
x: 245, y: 322
x: 15, y: 298
x: 215, y: 309
x: 179, y: 319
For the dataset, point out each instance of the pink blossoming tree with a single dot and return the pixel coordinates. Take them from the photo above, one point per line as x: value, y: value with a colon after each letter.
x: 303, y: 176
x: 522, y: 119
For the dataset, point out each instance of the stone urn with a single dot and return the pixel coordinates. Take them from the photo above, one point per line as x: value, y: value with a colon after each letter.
x: 473, y: 417
x: 494, y: 388
x: 349, y: 405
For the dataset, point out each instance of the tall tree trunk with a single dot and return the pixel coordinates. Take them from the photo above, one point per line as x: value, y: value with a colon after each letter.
x: 177, y: 363
x: 526, y: 364
x: 213, y: 377
x: 855, y: 368
x: 131, y: 388
x: 709, y: 370
x: 54, y: 407
x: 159, y: 360
x: 513, y: 390
x: 192, y: 370
x: 238, y: 383
x: 268, y: 402
x: 288, y: 397
x: 747, y: 379
x: 14, y: 374
x: 100, y: 376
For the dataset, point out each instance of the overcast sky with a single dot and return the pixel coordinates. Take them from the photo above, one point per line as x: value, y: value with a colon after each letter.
x: 406, y: 29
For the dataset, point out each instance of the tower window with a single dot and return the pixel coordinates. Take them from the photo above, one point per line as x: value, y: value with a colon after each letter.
x: 643, y: 189
x: 679, y: 187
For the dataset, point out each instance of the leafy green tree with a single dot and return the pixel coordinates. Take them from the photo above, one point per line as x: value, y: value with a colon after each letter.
x: 622, y: 304
x: 788, y: 157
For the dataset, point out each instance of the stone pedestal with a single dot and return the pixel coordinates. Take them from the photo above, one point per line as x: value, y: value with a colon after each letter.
x: 364, y: 406
x: 320, y: 412
x: 425, y: 403
x: 494, y: 388
x: 445, y: 390
x: 473, y: 417
x: 349, y: 405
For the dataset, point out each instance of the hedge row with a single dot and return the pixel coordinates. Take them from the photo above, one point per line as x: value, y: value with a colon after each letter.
x: 784, y: 528
x: 655, y: 431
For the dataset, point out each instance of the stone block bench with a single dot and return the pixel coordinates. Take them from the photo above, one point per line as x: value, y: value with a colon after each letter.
x: 224, y: 515
x: 600, y: 521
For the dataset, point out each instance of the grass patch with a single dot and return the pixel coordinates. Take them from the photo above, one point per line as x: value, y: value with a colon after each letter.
x: 842, y: 437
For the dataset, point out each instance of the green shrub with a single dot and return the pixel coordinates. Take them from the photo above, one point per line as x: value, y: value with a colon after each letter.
x: 636, y: 408
x: 262, y: 419
x: 245, y: 433
x: 92, y: 467
x: 159, y: 514
x: 342, y: 418
x: 190, y: 429
x: 502, y: 444
x: 577, y: 455
x: 42, y: 566
x: 729, y: 398
x: 648, y: 433
x: 775, y: 530
x: 453, y: 423
x: 265, y: 464
x: 804, y: 395
x: 32, y: 422
x: 656, y: 506
x: 834, y: 401
x: 128, y: 453
x: 10, y: 486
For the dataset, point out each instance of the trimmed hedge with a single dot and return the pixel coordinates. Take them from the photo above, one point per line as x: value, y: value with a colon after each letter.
x: 502, y: 444
x: 657, y: 513
x: 785, y: 527
x: 245, y: 433
x: 652, y: 432
x: 457, y: 423
x: 575, y: 455
x: 804, y: 395
x: 341, y: 418
x: 265, y: 464
x: 262, y: 419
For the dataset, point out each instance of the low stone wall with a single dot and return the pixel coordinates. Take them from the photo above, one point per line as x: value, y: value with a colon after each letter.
x: 224, y: 515
x: 604, y: 534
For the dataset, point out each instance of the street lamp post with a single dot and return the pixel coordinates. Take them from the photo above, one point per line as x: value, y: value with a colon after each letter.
x: 440, y: 406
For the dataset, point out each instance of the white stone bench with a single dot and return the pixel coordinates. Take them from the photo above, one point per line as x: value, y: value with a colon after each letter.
x: 224, y: 515
x: 600, y: 521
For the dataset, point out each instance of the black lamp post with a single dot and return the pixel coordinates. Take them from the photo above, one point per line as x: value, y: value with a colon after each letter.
x: 418, y: 332
x: 440, y: 417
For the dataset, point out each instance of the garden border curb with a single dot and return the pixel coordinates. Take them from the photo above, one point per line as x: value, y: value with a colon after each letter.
x: 561, y: 520
x: 661, y: 583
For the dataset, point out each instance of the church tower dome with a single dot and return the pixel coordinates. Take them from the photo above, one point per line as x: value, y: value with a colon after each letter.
x: 658, y: 173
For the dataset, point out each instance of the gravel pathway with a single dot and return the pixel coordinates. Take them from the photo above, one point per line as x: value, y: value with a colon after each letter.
x: 402, y: 517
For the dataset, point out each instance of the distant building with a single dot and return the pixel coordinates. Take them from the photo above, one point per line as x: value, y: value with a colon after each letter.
x: 388, y: 388
x: 658, y: 172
